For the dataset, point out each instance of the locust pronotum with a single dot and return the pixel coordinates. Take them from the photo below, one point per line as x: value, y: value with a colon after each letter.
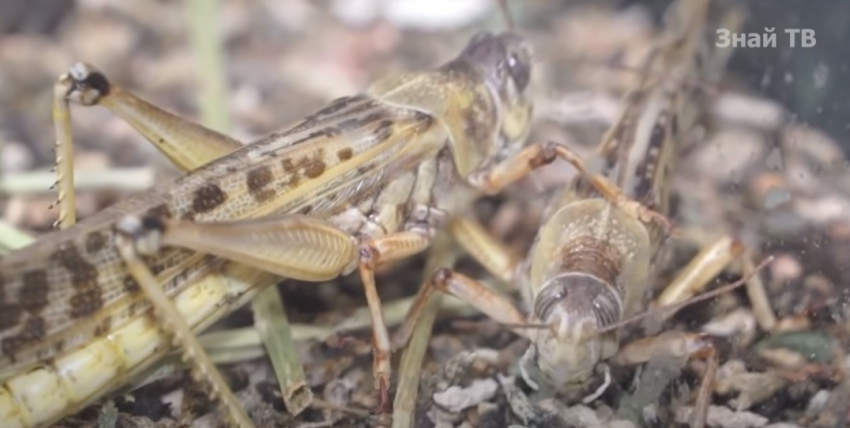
x: 592, y: 260
x: 364, y: 181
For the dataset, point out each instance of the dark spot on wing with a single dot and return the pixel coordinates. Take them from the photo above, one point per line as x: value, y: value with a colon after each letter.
x: 85, y: 302
x: 88, y: 297
x: 33, y: 330
x: 314, y: 168
x: 95, y: 242
x: 293, y: 181
x: 33, y: 293
x: 208, y: 198
x: 264, y: 195
x: 104, y: 327
x: 345, y: 154
x: 257, y: 181
x: 10, y: 316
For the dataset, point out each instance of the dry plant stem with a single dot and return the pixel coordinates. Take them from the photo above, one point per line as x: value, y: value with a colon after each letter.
x: 203, y: 16
x: 700, y: 414
x: 122, y: 179
x: 758, y: 297
x: 394, y: 313
x: 273, y: 327
x: 443, y: 253
x: 269, y: 315
x: 322, y: 404
x: 240, y: 344
x: 712, y: 259
x: 665, y: 312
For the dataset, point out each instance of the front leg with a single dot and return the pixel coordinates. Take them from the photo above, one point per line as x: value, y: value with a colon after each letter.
x: 537, y: 155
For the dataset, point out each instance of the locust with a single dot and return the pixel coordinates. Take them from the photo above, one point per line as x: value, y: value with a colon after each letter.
x: 367, y: 180
x: 592, y: 263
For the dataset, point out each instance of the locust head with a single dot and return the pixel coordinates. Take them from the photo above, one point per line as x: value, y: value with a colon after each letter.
x: 575, y: 306
x: 506, y: 60
x: 490, y: 113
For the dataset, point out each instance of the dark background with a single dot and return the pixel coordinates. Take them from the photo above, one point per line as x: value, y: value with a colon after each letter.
x: 825, y: 107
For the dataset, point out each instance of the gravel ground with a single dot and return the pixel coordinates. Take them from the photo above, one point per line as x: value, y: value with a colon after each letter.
x: 761, y: 173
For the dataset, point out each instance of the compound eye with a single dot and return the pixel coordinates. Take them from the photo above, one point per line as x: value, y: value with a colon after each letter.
x: 519, y: 70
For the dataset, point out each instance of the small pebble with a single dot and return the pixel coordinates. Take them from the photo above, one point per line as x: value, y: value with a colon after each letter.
x: 775, y: 197
x: 785, y: 267
x: 724, y: 417
x: 435, y: 15
x: 817, y: 401
x: 14, y: 157
x: 457, y: 399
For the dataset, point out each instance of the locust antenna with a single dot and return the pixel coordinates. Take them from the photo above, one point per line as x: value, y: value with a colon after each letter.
x: 506, y: 14
x: 699, y: 298
x: 528, y: 326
